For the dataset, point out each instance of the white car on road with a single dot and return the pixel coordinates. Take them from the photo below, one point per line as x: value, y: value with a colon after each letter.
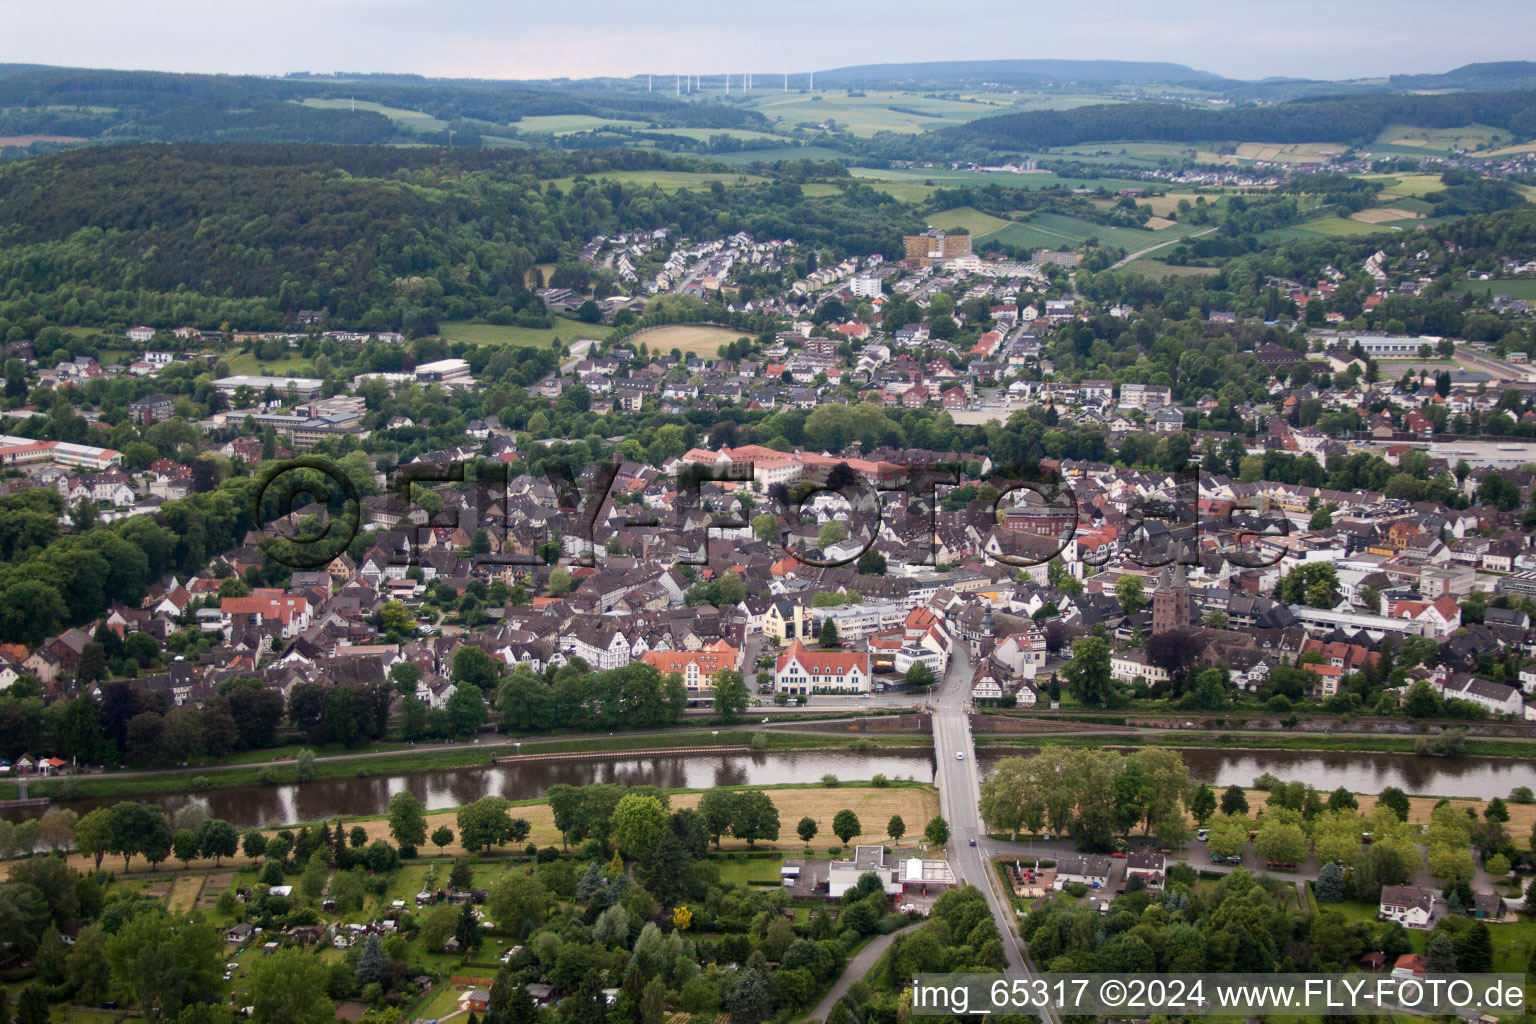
x: 959, y: 755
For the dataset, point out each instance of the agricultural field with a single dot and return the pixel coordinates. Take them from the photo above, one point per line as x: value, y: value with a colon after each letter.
x: 1056, y: 229
x: 945, y: 178
x: 1341, y: 226
x: 1515, y: 287
x: 768, y: 156
x: 1156, y: 268
x: 1524, y: 147
x: 1148, y: 154
x: 565, y: 329
x: 1441, y: 140
x: 968, y: 218
x: 1415, y: 186
x: 693, y: 339
x: 705, y: 134
x: 292, y: 366
x: 668, y: 180
x: 1277, y: 152
x: 1384, y: 215
x: 566, y: 124
x: 865, y: 114
x: 413, y: 120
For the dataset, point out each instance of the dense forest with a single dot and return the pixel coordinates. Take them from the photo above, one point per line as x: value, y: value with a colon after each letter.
x: 1354, y: 119
x: 209, y: 234
x: 158, y: 106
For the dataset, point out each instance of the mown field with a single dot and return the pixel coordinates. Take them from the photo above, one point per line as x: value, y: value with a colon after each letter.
x: 942, y: 176
x: 414, y: 120
x: 1514, y: 287
x: 694, y: 339
x: 865, y: 114
x: 1440, y: 140
x: 970, y: 219
x: 671, y: 181
x: 565, y: 329
x: 565, y: 124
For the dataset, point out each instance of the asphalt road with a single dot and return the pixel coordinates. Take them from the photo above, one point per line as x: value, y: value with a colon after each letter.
x: 959, y: 782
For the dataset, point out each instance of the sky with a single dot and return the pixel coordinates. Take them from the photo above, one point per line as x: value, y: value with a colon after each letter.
x: 519, y: 39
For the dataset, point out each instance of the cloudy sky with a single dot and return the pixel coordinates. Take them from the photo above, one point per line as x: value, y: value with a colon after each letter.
x: 519, y: 39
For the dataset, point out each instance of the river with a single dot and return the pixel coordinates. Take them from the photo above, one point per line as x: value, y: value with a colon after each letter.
x: 1360, y: 772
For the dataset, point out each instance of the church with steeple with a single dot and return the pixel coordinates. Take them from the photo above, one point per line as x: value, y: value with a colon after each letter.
x: 1170, y: 601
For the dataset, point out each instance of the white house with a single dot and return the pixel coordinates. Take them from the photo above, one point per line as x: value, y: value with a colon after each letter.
x: 1408, y: 905
x: 801, y: 670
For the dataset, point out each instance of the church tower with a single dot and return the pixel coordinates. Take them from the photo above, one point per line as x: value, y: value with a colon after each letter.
x: 1170, y: 601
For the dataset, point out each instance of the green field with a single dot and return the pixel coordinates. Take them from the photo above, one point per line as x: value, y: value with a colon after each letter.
x: 943, y: 176
x: 1415, y: 185
x: 768, y: 156
x: 1343, y: 226
x: 1441, y: 140
x: 414, y: 120
x: 1156, y: 268
x: 864, y: 115
x: 1058, y: 230
x: 565, y: 124
x: 498, y: 334
x: 293, y: 366
x: 1149, y: 154
x: 970, y: 219
x: 705, y: 134
x: 669, y: 180
x: 1515, y: 287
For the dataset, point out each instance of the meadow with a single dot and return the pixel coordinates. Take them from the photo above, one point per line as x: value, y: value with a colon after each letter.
x: 566, y: 124
x: 413, y: 120
x: 1515, y: 287
x: 1439, y: 140
x: 1156, y: 268
x: 693, y: 339
x: 968, y: 218
x: 669, y: 180
x: 566, y: 329
x: 865, y: 114
x: 946, y: 178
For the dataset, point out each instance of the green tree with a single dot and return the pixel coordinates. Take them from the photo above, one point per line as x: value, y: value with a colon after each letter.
x: 937, y: 831
x: 517, y: 902
x: 755, y: 817
x: 806, y: 829
x: 1315, y: 584
x: 1089, y: 673
x: 731, y: 694
x: 1202, y: 803
x: 1234, y: 800
x: 442, y: 837
x: 166, y: 962
x: 638, y: 823
x: 1130, y: 593
x: 289, y: 987
x: 1396, y: 800
x: 845, y: 825
x: 717, y: 808
x: 765, y: 527
x: 407, y: 822
x: 896, y: 828
x: 484, y: 823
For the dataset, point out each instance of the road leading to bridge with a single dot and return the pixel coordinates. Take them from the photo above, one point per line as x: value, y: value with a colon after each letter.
x: 959, y: 781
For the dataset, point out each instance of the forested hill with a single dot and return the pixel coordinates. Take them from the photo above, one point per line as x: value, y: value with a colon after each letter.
x: 157, y: 106
x: 381, y: 237
x: 1034, y: 73
x: 1352, y: 119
